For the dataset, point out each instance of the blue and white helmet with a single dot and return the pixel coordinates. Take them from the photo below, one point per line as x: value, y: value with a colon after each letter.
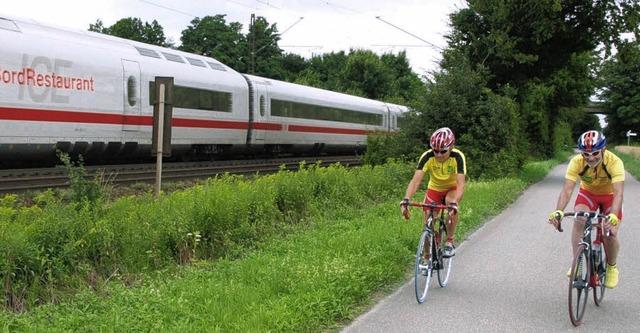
x: 591, y: 140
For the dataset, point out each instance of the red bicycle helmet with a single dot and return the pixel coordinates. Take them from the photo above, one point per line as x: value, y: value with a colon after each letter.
x: 442, y: 139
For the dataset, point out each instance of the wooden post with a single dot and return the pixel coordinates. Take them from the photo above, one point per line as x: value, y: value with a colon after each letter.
x: 160, y: 139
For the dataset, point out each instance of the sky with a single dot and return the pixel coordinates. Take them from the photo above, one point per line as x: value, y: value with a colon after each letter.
x: 307, y: 27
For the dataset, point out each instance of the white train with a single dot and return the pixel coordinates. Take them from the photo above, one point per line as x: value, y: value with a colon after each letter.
x: 91, y: 94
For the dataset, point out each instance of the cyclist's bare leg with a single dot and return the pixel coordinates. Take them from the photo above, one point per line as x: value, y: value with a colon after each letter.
x: 424, y: 219
x: 451, y: 227
x: 611, y: 246
x: 578, y: 228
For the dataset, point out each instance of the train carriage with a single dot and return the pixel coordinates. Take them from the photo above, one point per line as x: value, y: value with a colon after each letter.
x: 315, y: 120
x: 92, y: 94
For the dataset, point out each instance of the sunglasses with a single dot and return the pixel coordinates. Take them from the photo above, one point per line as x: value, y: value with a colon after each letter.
x: 593, y: 153
x: 441, y: 152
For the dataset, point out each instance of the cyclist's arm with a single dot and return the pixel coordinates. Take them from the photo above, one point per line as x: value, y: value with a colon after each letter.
x: 461, y: 181
x: 565, y: 194
x: 414, y: 184
x: 618, y: 189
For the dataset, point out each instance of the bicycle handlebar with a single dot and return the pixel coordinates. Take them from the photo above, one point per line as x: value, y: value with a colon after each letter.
x: 589, y: 215
x: 424, y: 206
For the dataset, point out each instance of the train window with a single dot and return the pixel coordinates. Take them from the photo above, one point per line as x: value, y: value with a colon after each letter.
x: 263, y: 106
x: 196, y: 62
x: 132, y: 91
x: 147, y: 52
x: 215, y: 66
x: 197, y: 99
x: 308, y: 111
x: 8, y: 25
x: 173, y: 57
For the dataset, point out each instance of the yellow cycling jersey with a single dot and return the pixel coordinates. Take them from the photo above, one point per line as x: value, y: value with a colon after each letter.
x: 442, y: 176
x: 598, y: 180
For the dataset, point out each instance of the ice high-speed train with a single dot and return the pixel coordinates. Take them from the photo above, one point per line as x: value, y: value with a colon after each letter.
x: 91, y: 94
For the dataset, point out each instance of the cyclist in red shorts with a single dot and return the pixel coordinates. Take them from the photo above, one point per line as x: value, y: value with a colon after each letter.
x: 447, y: 176
x: 601, y: 175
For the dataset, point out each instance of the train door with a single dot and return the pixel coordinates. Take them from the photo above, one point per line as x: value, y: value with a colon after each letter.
x: 131, y: 86
x: 262, y: 110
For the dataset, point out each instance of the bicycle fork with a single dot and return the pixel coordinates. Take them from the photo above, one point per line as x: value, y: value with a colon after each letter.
x: 597, y: 264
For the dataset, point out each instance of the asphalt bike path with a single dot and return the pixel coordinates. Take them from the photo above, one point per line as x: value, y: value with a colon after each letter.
x: 510, y: 276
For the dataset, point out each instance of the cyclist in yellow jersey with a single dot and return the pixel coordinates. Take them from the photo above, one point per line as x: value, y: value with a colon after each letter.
x: 601, y: 175
x: 447, y: 171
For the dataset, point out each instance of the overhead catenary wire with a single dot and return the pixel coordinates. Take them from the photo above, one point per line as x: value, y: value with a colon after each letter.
x: 330, y: 4
x: 167, y: 8
x: 432, y: 45
x: 337, y: 7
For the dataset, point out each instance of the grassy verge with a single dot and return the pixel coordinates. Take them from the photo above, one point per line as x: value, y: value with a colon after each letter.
x: 322, y: 274
x: 631, y: 160
x: 310, y: 281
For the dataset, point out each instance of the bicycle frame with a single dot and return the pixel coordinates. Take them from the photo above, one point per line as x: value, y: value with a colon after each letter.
x: 589, y: 265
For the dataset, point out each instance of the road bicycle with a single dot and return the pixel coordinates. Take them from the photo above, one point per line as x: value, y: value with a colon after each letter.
x: 429, y: 254
x: 589, y: 266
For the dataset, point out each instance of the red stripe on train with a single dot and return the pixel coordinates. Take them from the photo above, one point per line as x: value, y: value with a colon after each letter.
x: 60, y: 116
x: 8, y: 113
x: 326, y: 130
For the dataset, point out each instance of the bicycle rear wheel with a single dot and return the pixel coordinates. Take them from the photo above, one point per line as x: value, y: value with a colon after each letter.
x: 579, y: 285
x: 423, y: 266
x: 444, y: 264
x: 600, y: 270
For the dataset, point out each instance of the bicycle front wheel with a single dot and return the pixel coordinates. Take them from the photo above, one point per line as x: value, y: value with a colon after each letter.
x: 579, y: 285
x: 423, y: 266
x: 444, y: 264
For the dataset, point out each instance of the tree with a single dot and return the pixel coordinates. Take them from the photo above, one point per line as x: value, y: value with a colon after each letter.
x: 406, y: 85
x: 324, y: 69
x: 263, y: 53
x: 134, y: 29
x: 547, y: 48
x: 293, y: 65
x: 487, y: 124
x: 364, y: 75
x: 621, y: 92
x: 211, y: 36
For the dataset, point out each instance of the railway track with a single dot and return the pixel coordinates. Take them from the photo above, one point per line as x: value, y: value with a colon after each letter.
x: 23, y: 180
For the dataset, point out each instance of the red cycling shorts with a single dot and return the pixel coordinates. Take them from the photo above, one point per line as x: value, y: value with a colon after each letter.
x: 437, y: 196
x: 593, y: 201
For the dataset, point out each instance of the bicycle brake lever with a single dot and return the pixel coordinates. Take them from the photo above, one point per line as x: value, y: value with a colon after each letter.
x: 559, y: 228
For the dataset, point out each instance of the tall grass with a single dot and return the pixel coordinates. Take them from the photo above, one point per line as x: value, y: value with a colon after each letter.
x: 631, y: 162
x: 323, y: 271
